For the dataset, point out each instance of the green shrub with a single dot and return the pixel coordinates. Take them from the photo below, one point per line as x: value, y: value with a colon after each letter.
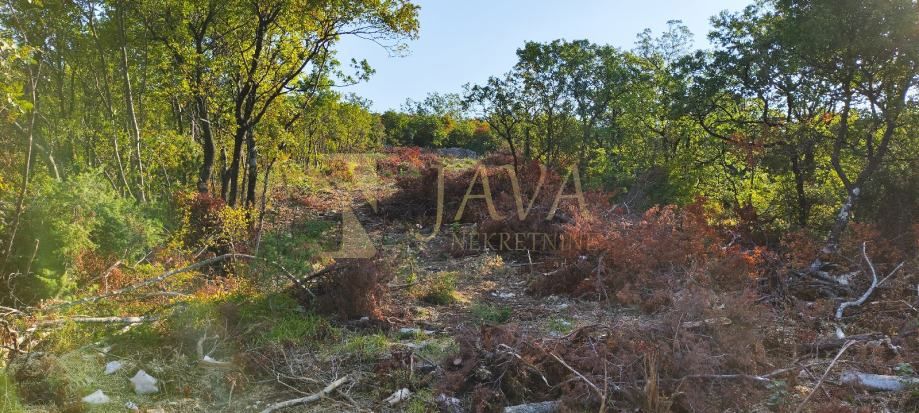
x: 295, y: 249
x: 9, y: 399
x: 285, y: 321
x: 70, y: 220
x: 485, y: 313
x: 440, y: 290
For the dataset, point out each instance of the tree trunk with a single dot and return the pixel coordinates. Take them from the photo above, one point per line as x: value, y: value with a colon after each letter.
x: 842, y: 220
x: 803, y: 204
x: 133, y: 127
x: 231, y: 177
x: 252, y: 160
x: 27, y: 167
x: 207, y: 145
x: 264, y: 203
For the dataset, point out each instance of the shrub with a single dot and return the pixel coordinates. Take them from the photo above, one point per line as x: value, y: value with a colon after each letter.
x: 643, y: 261
x: 339, y: 170
x: 439, y: 289
x: 485, y: 313
x: 399, y: 161
x: 67, y: 221
x: 354, y: 288
x: 210, y: 223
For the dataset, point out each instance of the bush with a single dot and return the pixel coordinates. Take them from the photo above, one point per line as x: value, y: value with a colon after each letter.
x: 69, y: 221
x: 210, y: 223
x: 485, y: 313
x: 440, y: 289
x: 643, y: 261
x: 354, y: 288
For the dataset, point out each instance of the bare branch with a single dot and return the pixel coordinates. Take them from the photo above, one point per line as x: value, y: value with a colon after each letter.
x: 308, y: 399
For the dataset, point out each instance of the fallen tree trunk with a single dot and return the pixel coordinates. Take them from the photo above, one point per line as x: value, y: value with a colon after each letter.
x: 878, y: 382
x: 861, y: 300
x: 542, y: 407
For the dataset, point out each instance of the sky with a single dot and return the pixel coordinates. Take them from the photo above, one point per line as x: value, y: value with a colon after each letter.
x: 466, y: 41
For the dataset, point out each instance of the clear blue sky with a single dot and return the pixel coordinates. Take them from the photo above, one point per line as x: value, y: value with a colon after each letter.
x: 463, y: 41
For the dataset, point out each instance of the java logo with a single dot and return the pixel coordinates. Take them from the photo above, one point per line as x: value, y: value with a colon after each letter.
x: 356, y: 242
x: 486, y: 195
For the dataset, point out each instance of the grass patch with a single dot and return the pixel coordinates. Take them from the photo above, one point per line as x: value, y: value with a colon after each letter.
x: 439, y: 348
x: 421, y: 402
x: 279, y: 318
x: 364, y: 347
x: 296, y: 248
x: 485, y: 313
x: 440, y: 289
x: 9, y: 399
x: 560, y: 325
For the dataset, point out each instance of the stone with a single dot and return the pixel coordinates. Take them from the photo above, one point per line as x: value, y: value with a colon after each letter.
x: 113, y: 366
x: 144, y: 383
x: 97, y: 397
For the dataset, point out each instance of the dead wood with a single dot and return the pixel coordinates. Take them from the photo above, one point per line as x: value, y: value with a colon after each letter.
x: 307, y: 399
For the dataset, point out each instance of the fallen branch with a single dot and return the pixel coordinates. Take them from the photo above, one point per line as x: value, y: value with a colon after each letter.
x: 600, y: 393
x: 150, y: 281
x: 9, y: 310
x: 542, y: 407
x: 308, y: 399
x: 763, y: 378
x: 825, y: 373
x: 877, y: 382
x: 172, y: 273
x: 861, y: 300
x: 205, y: 358
x: 835, y: 343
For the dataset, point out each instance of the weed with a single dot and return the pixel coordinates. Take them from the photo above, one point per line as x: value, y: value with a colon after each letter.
x: 438, y: 348
x: 560, y: 325
x: 282, y: 320
x: 9, y: 399
x: 485, y: 313
x: 297, y: 328
x: 421, y: 402
x: 440, y: 289
x: 904, y: 369
x: 778, y: 393
x: 295, y: 249
x: 364, y: 347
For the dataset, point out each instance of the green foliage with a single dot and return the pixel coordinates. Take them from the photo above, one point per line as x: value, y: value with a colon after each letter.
x: 9, y: 400
x: 365, y: 347
x: 438, y: 121
x: 486, y: 313
x: 560, y: 325
x: 294, y: 249
x: 66, y: 221
x: 904, y: 369
x: 284, y: 320
x: 439, y: 289
x: 778, y: 393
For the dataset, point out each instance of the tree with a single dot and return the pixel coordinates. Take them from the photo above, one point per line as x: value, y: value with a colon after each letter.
x: 499, y: 103
x: 867, y: 53
x: 276, y: 43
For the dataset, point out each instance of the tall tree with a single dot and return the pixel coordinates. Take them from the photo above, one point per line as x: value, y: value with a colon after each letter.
x: 277, y: 42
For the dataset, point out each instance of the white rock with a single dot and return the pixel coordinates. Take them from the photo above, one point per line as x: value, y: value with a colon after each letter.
x: 407, y: 331
x: 131, y: 406
x: 144, y: 383
x: 398, y: 396
x: 97, y: 397
x: 113, y: 366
